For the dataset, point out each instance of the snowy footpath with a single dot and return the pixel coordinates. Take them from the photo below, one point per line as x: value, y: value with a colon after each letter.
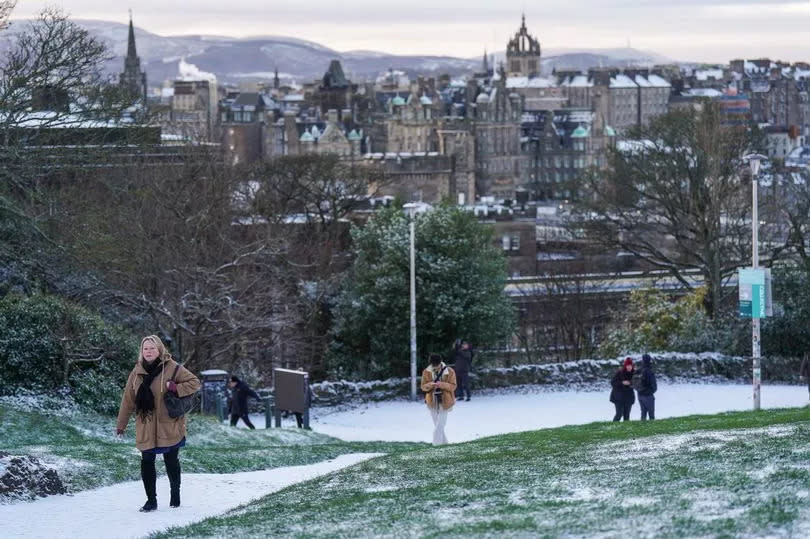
x: 534, y: 407
x: 111, y: 512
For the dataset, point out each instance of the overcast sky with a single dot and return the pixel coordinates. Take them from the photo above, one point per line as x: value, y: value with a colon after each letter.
x: 701, y: 30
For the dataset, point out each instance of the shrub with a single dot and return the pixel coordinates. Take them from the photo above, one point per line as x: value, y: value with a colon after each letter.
x: 47, y: 342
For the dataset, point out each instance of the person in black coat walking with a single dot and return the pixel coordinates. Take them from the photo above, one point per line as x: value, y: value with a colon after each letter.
x: 462, y: 363
x: 622, y: 394
x: 647, y: 388
x: 239, y: 396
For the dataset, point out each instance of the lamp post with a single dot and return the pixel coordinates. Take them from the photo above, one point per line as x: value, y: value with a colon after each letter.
x: 753, y: 162
x: 411, y: 209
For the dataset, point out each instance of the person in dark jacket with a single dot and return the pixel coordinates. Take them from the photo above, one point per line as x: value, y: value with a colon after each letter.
x: 462, y: 358
x: 622, y: 394
x: 647, y: 388
x: 239, y: 396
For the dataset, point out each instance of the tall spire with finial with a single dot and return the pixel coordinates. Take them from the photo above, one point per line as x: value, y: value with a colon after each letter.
x: 276, y: 81
x: 486, y: 62
x: 131, y: 51
x: 133, y: 79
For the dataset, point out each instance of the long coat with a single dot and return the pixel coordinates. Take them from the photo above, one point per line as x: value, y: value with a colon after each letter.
x: 158, y: 430
x: 239, y: 397
x: 463, y: 360
x: 622, y: 394
x: 447, y: 385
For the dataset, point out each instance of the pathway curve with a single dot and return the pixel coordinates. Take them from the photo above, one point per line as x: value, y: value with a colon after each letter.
x: 112, y: 512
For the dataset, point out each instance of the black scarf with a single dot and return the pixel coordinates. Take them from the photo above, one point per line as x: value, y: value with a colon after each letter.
x: 144, y: 399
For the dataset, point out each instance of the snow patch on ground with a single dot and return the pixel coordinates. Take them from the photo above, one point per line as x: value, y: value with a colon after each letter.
x: 112, y: 512
x: 655, y: 446
x: 531, y: 408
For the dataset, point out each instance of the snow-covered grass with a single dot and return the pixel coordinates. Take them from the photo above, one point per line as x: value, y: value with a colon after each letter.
x: 83, y: 449
x: 735, y: 474
x: 730, y: 474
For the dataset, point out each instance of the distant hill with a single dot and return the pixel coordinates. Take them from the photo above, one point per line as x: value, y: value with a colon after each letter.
x: 256, y: 57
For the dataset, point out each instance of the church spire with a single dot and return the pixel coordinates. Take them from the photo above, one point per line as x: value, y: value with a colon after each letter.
x: 131, y: 51
x: 133, y: 79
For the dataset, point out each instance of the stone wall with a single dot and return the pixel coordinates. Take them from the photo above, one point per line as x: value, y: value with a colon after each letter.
x: 669, y: 367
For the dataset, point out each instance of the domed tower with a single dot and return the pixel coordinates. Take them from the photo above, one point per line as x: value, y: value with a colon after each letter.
x: 523, y: 54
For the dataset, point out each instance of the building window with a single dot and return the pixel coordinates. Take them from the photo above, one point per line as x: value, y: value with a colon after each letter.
x: 505, y: 242
x: 515, y: 242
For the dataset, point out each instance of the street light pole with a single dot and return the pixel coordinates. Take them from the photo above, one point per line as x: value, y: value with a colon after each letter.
x: 755, y: 343
x: 412, y: 215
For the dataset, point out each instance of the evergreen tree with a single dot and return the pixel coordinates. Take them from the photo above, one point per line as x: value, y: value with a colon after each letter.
x: 460, y: 279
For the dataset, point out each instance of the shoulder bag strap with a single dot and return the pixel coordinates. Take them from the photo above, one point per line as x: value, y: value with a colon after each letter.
x: 439, y: 376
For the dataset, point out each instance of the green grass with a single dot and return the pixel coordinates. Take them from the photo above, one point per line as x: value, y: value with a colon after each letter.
x: 727, y: 475
x: 88, y: 455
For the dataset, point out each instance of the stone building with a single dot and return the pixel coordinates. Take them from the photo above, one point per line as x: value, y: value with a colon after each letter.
x: 634, y: 96
x: 414, y: 177
x: 335, y: 91
x: 537, y: 93
x: 515, y: 234
x: 523, y: 53
x: 294, y: 135
x: 412, y: 124
x: 192, y: 110
x: 495, y: 126
x: 561, y: 145
x: 244, y: 120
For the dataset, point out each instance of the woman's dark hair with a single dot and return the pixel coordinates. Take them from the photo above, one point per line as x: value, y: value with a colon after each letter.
x: 235, y: 378
x: 435, y: 359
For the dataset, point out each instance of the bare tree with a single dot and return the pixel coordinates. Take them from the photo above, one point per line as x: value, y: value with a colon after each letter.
x: 170, y: 247
x: 50, y: 82
x: 795, y: 206
x: 308, y: 201
x: 561, y: 313
x: 677, y: 197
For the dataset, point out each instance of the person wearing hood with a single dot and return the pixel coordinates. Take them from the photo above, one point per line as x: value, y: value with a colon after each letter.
x: 155, y: 432
x: 646, y: 388
x: 240, y: 392
x: 439, y: 385
x: 622, y: 395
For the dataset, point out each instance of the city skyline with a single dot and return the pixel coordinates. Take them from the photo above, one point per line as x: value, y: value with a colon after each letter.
x: 692, y: 30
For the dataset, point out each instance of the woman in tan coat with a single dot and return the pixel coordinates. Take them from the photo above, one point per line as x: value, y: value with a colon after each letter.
x: 439, y: 385
x: 155, y: 432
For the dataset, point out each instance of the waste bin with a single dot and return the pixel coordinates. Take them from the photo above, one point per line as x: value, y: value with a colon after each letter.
x: 214, y: 388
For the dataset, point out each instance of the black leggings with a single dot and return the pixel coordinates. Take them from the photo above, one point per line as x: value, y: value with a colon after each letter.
x: 244, y: 417
x: 149, y: 475
x: 622, y: 411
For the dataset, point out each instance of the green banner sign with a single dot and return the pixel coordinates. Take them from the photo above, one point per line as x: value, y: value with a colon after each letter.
x: 755, y: 292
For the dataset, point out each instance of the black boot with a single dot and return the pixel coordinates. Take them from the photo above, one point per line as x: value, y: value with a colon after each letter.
x: 172, y: 461
x: 149, y: 476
